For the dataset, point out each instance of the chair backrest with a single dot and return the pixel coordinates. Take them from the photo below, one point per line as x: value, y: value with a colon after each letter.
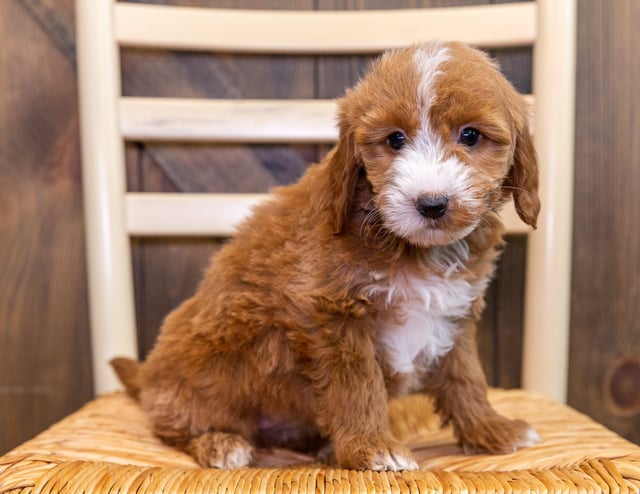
x: 108, y: 118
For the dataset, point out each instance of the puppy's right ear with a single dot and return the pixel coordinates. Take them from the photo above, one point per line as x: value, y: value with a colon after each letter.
x: 343, y: 170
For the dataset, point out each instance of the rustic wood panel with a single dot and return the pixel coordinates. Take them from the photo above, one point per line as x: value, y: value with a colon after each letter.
x: 500, y: 332
x: 45, y: 367
x: 605, y: 316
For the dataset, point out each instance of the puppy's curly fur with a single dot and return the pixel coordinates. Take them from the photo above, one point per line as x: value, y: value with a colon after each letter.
x: 360, y: 282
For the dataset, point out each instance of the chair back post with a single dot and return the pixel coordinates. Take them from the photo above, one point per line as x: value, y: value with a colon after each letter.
x: 548, y: 278
x: 104, y: 184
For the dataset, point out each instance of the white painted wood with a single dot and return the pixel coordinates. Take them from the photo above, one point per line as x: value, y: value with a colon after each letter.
x: 512, y: 222
x: 256, y: 121
x: 183, y: 214
x: 163, y: 214
x: 109, y: 269
x: 364, y: 31
x: 244, y: 121
x: 548, y: 280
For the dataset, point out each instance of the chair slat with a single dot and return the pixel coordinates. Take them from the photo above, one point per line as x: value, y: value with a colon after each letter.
x: 180, y: 214
x: 287, y: 121
x: 364, y: 31
x: 249, y: 121
x: 167, y: 214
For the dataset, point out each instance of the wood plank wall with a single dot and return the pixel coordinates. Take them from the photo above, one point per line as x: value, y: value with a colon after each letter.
x: 45, y: 367
x: 605, y: 304
x: 45, y: 371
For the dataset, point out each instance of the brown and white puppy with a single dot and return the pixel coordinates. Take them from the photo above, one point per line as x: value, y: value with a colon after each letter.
x: 361, y: 282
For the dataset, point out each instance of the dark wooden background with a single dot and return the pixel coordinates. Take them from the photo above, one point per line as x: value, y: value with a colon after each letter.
x: 45, y: 369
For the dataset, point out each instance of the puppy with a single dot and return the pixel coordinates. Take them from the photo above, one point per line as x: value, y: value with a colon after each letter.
x: 361, y: 282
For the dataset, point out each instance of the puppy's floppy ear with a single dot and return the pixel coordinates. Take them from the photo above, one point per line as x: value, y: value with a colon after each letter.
x: 343, y: 168
x: 522, y: 180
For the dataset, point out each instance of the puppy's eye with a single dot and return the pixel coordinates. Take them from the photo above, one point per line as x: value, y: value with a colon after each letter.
x: 469, y: 136
x: 396, y: 140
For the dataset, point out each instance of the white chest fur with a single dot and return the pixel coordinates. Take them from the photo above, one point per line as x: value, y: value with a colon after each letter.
x: 427, y: 311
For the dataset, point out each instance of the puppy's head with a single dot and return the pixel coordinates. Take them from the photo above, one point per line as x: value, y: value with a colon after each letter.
x: 443, y: 139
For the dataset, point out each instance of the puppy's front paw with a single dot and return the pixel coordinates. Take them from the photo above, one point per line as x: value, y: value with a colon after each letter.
x: 221, y: 450
x: 377, y: 454
x: 497, y: 435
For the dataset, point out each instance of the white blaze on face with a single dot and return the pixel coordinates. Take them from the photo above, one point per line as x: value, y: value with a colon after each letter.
x: 421, y: 169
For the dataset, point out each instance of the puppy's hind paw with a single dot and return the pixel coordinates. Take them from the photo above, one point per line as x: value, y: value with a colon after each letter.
x: 529, y: 438
x: 221, y: 450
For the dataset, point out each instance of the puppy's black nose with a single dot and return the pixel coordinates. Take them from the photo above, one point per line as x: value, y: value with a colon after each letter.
x: 432, y: 206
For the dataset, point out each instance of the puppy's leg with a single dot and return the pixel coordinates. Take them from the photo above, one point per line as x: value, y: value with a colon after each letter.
x: 184, y: 422
x: 352, y: 402
x: 460, y: 390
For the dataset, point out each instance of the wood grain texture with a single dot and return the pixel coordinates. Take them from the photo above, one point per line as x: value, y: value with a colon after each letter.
x: 45, y: 366
x: 605, y: 317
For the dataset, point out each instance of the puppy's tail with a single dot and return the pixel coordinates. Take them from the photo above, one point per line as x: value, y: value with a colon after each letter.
x: 128, y: 371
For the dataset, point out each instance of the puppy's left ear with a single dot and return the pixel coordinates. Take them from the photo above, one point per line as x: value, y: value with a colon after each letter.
x: 343, y: 168
x: 523, y: 176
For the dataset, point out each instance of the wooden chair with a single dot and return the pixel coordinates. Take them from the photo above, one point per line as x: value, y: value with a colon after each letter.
x: 107, y: 445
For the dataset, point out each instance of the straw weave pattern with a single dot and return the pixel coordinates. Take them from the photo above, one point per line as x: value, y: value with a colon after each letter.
x: 107, y: 447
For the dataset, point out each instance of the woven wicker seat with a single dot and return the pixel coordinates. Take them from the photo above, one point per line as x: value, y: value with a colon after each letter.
x: 107, y: 447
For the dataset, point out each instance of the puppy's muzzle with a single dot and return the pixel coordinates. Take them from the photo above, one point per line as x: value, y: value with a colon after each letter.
x: 432, y: 207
